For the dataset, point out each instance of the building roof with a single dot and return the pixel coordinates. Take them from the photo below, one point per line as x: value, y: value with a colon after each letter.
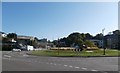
x: 25, y: 37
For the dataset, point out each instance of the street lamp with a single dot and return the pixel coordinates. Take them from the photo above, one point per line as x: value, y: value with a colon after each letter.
x: 103, y: 41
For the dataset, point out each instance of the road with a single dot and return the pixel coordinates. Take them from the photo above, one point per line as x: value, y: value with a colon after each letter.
x: 20, y: 61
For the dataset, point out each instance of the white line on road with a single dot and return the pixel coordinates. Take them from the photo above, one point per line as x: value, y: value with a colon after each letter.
x: 70, y: 66
x: 51, y: 63
x: 9, y: 52
x: 94, y: 70
x: 77, y: 67
x: 65, y: 65
x: 54, y: 64
x: 7, y: 56
x: 84, y: 68
x: 25, y: 55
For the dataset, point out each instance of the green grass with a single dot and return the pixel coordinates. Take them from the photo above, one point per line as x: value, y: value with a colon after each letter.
x: 0, y: 48
x: 73, y: 53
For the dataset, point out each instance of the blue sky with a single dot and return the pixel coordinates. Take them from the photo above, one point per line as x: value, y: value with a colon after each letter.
x: 58, y: 19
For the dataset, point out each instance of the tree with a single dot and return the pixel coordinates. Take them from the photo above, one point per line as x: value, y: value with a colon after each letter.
x: 34, y: 42
x: 116, y: 32
x: 76, y: 38
x: 7, y: 45
x: 12, y: 36
x: 36, y: 38
x: 112, y: 40
x: 88, y: 36
x: 55, y: 42
x: 62, y: 42
x: 4, y: 39
x: 89, y: 43
x: 99, y: 36
x: 73, y: 39
x: 83, y: 36
x: 118, y: 42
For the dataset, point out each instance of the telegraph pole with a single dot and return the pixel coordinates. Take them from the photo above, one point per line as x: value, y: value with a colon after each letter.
x: 58, y: 46
x: 103, y: 41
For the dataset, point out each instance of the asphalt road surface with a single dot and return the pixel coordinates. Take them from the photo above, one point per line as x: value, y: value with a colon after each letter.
x: 20, y: 61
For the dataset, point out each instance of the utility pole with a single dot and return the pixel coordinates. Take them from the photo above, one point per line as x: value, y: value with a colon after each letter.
x: 58, y: 46
x: 103, y: 41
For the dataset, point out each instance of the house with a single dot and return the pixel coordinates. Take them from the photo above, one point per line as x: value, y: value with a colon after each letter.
x: 111, y: 41
x: 23, y: 41
x: 42, y: 43
x: 50, y: 45
x: 2, y: 34
x: 98, y: 43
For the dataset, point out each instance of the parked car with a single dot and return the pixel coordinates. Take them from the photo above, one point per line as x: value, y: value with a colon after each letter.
x: 17, y: 50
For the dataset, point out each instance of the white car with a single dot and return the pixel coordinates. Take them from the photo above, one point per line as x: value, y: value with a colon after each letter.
x: 18, y: 50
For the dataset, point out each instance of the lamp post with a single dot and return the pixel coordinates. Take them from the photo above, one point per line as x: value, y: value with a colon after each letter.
x: 103, y: 41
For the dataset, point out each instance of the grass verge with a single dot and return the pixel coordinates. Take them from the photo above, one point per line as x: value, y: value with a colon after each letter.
x: 69, y: 53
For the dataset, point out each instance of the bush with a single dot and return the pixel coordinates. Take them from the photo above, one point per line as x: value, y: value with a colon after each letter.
x: 7, y: 47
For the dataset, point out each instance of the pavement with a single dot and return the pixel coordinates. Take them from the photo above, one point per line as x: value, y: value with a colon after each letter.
x: 20, y: 61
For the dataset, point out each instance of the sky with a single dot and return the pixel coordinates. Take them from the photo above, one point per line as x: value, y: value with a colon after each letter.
x: 60, y: 0
x: 53, y: 20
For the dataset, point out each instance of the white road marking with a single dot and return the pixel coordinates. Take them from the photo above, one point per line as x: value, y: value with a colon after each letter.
x: 77, y: 67
x: 94, y: 70
x: 70, y: 66
x: 7, y: 56
x: 25, y: 55
x: 54, y: 64
x: 84, y: 68
x: 65, y: 65
x: 51, y: 63
x: 9, y: 52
